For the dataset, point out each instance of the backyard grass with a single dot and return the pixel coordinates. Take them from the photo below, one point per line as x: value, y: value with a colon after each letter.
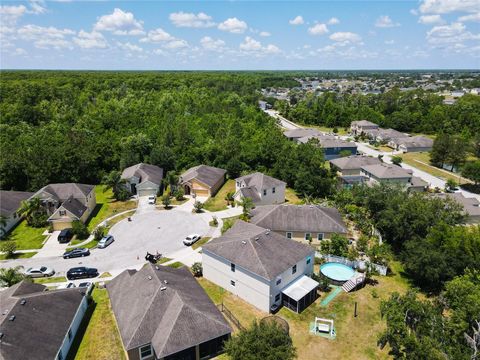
x: 201, y: 242
x: 99, y: 339
x: 27, y: 237
x: 49, y: 280
x: 383, y: 148
x: 421, y: 160
x: 18, y: 256
x: 105, y: 274
x: 218, y: 202
x: 291, y: 197
x: 89, y: 245
x: 176, y: 265
x: 163, y: 260
x: 356, y: 336
x: 107, y: 206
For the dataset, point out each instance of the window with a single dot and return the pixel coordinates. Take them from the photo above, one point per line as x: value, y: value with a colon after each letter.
x: 69, y: 333
x: 277, y: 297
x: 145, y: 351
x: 320, y: 236
x: 279, y: 281
x: 232, y: 282
x: 308, y: 236
x: 273, y: 190
x: 309, y: 260
x: 264, y: 192
x: 62, y: 212
x: 294, y: 269
x: 289, y: 235
x: 232, y: 267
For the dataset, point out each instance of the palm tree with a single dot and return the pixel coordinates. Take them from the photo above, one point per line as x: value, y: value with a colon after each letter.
x: 229, y: 198
x: 171, y: 179
x: 11, y: 276
x: 29, y: 208
x: 247, y: 204
x: 115, y: 182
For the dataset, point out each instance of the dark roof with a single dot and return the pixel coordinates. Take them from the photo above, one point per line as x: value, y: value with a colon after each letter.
x: 300, y: 133
x: 63, y: 191
x: 145, y: 172
x: 172, y: 319
x: 354, y: 162
x: 207, y: 175
x: 302, y: 218
x: 10, y: 201
x: 251, y: 193
x: 74, y: 206
x: 40, y: 325
x: 258, y: 250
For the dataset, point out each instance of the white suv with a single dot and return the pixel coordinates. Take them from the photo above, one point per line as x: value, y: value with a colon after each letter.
x: 191, y: 239
x: 151, y: 199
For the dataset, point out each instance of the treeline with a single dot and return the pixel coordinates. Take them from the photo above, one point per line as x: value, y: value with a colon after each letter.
x: 78, y: 126
x: 414, y: 111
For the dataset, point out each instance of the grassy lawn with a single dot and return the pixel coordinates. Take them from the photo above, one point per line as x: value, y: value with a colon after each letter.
x: 291, y: 197
x: 218, y: 203
x: 105, y: 274
x: 341, y: 130
x: 163, y: 260
x: 356, y: 336
x: 49, y: 280
x: 99, y: 338
x: 178, y: 202
x: 201, y: 242
x: 107, y: 206
x: 27, y: 237
x: 421, y: 160
x: 18, y: 256
x: 176, y: 265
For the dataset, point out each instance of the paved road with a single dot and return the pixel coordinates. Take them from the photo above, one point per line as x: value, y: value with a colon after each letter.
x: 287, y: 124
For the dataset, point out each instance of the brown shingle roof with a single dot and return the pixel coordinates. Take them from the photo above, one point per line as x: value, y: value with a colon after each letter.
x: 208, y: 175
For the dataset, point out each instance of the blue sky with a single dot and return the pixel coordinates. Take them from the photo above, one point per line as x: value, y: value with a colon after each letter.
x: 223, y: 35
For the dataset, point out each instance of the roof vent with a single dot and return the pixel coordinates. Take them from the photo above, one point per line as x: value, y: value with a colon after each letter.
x: 311, y: 206
x: 5, y: 312
x: 244, y: 242
x: 23, y: 302
x: 163, y: 288
x: 257, y: 238
x: 11, y: 318
x: 267, y: 232
x: 149, y: 277
x: 165, y: 281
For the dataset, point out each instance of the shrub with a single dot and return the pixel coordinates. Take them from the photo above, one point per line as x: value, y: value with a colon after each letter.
x: 396, y: 160
x: 80, y: 230
x: 179, y: 194
x: 99, y: 232
x: 8, y: 247
x: 197, y: 269
x: 197, y: 206
x: 166, y: 201
x: 38, y: 220
x: 227, y: 224
x: 214, y: 222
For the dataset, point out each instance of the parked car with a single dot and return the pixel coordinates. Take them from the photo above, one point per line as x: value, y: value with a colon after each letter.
x: 78, y: 252
x: 42, y: 271
x: 106, y: 240
x: 81, y: 273
x: 191, y: 239
x: 65, y: 236
x: 151, y: 199
x: 85, y: 284
x: 68, y: 285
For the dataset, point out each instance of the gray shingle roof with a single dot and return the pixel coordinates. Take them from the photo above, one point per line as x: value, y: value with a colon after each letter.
x: 363, y: 123
x: 64, y: 190
x: 250, y: 193
x: 260, y: 181
x: 145, y: 172
x: 172, y: 319
x: 258, y: 250
x: 74, y: 206
x: 329, y: 141
x: 388, y: 134
x: 387, y: 171
x: 471, y: 206
x: 208, y: 175
x: 40, y: 325
x: 302, y: 218
x: 300, y: 133
x: 416, y: 181
x: 10, y: 201
x: 415, y: 141
x: 354, y: 162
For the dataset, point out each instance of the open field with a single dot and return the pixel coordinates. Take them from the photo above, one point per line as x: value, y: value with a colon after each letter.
x: 356, y: 336
x: 27, y: 237
x: 218, y: 202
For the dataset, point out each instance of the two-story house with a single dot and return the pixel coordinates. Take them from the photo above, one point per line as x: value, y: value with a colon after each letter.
x: 388, y: 173
x: 358, y: 127
x: 261, y: 267
x: 10, y: 202
x: 261, y: 188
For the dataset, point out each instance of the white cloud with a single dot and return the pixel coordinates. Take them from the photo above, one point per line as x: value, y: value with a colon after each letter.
x: 35, y: 32
x: 264, y: 33
x: 57, y: 44
x: 252, y: 46
x: 211, y: 44
x: 10, y: 14
x: 450, y: 36
x: 92, y: 40
x: 430, y: 19
x: 157, y: 35
x: 200, y: 20
x: 472, y: 17
x: 298, y: 20
x: 345, y: 37
x: 233, y: 25
x: 19, y: 52
x: 449, y: 6
x: 37, y: 7
x: 318, y: 29
x: 120, y: 23
x: 385, y: 21
x: 176, y: 44
x: 129, y: 47
x: 333, y: 21
x: 389, y: 42
x: 337, y: 50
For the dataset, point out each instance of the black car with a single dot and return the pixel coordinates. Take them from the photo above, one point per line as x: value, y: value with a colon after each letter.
x: 78, y: 252
x: 65, y: 236
x: 81, y: 273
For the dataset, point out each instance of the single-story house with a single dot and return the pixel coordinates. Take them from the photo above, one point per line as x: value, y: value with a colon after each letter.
x: 300, y: 222
x: 259, y: 266
x: 67, y: 202
x: 358, y: 127
x: 261, y: 188
x: 296, y: 134
x: 412, y: 144
x: 385, y: 135
x: 143, y: 179
x: 332, y: 146
x: 471, y: 206
x: 383, y: 172
x: 39, y: 324
x: 10, y: 202
x: 163, y: 313
x: 202, y: 180
x: 352, y: 165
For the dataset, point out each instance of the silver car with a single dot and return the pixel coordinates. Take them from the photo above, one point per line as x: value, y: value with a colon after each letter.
x: 37, y: 272
x: 106, y: 240
x: 191, y: 239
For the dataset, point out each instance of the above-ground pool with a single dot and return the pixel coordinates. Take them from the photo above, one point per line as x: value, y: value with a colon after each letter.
x: 337, y: 272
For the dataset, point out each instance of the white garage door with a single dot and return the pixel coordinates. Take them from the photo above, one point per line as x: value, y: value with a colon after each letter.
x: 147, y: 192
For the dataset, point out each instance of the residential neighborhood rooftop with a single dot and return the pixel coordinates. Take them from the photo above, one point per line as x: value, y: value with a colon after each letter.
x: 10, y: 201
x: 415, y: 141
x: 363, y: 123
x: 386, y: 171
x: 354, y: 162
x: 302, y: 132
x: 208, y: 175
x: 64, y: 190
x: 260, y: 181
x: 470, y: 205
x: 145, y: 172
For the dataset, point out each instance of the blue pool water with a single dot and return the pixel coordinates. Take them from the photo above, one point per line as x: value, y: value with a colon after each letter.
x: 338, y: 272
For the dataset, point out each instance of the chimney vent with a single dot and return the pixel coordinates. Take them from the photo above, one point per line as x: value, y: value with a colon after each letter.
x: 149, y: 277
x: 23, y: 302
x: 163, y: 288
x: 244, y: 242
x: 165, y: 281
x: 257, y: 238
x: 11, y: 318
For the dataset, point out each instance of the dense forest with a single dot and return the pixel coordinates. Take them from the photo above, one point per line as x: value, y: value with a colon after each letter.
x: 416, y: 111
x: 78, y: 126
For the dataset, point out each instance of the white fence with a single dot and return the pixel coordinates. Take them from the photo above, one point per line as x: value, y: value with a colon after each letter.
x: 382, y: 270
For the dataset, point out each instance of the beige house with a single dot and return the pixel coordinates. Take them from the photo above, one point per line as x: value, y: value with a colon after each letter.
x: 67, y: 202
x: 202, y: 180
x: 300, y: 222
x: 261, y: 188
x: 10, y: 202
x: 412, y: 144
